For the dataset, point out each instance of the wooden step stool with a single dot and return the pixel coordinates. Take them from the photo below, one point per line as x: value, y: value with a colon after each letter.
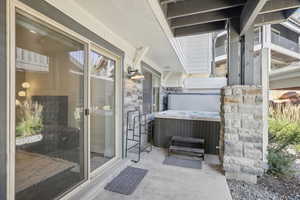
x: 187, y: 145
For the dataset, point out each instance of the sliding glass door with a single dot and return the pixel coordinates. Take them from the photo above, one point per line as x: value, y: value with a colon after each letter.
x: 65, y: 108
x: 102, y: 118
x: 50, y: 68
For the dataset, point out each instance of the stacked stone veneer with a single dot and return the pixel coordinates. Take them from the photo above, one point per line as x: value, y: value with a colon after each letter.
x: 241, y: 138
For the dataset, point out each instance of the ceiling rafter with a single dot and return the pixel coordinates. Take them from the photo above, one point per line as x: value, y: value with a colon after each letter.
x: 200, y: 29
x: 279, y: 5
x: 188, y: 17
x: 204, y: 18
x: 249, y: 14
x: 190, y: 7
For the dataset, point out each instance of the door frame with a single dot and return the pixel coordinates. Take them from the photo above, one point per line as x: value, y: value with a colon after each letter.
x: 16, y: 7
x: 118, y: 108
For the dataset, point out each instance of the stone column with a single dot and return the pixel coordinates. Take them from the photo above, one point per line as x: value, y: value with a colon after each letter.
x: 242, y: 134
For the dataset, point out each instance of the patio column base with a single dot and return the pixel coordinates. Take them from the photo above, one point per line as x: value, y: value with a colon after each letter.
x: 241, y: 177
x: 242, y: 138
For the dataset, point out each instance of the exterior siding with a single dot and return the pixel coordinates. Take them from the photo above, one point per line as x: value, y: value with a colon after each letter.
x: 3, y: 107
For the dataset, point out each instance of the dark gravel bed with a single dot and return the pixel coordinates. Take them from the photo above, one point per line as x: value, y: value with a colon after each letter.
x: 267, y: 188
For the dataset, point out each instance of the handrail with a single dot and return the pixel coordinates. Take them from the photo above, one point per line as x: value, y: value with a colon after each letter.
x: 285, y: 42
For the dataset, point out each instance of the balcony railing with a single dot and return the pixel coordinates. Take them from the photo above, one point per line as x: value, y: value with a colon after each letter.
x: 275, y: 38
x: 286, y: 43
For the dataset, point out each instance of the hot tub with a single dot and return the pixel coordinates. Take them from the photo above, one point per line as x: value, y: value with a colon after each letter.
x: 196, y: 124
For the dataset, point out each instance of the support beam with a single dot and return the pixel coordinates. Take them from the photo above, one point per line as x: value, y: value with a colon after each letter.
x: 250, y: 12
x: 265, y: 65
x: 279, y: 5
x: 234, y: 53
x: 199, y: 29
x: 270, y: 18
x: 248, y: 68
x: 204, y: 18
x: 191, y: 7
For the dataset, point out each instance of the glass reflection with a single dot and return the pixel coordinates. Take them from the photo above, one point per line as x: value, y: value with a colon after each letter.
x: 49, y: 117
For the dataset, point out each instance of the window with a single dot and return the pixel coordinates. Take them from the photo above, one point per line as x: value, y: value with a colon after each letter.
x: 151, y: 90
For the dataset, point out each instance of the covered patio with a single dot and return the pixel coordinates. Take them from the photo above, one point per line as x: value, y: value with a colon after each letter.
x: 83, y: 85
x: 167, y: 182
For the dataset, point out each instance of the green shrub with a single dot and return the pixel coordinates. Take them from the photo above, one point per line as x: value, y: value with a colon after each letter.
x: 280, y: 162
x: 284, y: 132
x: 284, y: 126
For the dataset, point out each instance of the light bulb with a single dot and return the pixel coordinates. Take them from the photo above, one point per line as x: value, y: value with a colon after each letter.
x: 22, y: 93
x: 26, y: 85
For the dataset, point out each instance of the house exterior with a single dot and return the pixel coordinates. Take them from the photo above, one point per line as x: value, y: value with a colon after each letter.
x: 283, y: 42
x: 70, y: 72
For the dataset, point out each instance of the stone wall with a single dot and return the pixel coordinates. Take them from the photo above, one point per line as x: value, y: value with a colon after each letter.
x: 241, y: 138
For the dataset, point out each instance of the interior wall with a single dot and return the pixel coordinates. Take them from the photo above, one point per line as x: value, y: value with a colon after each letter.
x: 3, y: 101
x: 58, y: 81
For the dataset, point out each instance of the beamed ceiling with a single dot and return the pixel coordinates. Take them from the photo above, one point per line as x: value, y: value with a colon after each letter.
x: 191, y: 17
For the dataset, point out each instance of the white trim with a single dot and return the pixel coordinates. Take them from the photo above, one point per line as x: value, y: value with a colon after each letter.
x: 117, y: 105
x: 285, y: 73
x: 291, y: 26
x: 285, y: 51
x: 10, y: 105
x: 159, y: 16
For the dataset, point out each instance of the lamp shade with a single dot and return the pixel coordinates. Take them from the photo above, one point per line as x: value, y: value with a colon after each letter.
x: 137, y: 76
x: 26, y: 85
x: 134, y: 74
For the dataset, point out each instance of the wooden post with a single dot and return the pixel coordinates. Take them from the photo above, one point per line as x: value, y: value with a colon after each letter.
x: 234, y: 52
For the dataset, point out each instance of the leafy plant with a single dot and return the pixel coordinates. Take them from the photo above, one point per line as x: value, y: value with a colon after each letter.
x: 284, y: 126
x: 280, y: 162
x: 284, y: 132
x: 30, y: 119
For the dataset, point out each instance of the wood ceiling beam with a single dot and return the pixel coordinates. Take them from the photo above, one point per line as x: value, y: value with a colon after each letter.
x: 250, y: 13
x: 270, y: 18
x: 279, y: 5
x: 204, y: 18
x: 199, y: 29
x: 191, y: 7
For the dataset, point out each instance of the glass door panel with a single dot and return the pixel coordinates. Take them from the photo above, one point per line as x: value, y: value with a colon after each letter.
x: 102, y: 118
x: 49, y: 111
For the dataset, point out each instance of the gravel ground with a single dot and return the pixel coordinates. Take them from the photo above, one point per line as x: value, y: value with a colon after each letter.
x: 267, y: 188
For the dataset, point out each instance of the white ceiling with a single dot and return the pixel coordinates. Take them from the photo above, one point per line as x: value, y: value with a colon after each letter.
x: 135, y: 22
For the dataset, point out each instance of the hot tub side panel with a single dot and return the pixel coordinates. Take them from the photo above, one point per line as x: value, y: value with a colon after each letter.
x: 165, y: 128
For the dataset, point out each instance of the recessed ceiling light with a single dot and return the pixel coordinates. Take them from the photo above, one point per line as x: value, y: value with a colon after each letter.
x: 32, y: 31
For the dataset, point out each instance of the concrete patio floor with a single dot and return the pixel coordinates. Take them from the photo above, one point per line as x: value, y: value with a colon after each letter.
x: 164, y: 182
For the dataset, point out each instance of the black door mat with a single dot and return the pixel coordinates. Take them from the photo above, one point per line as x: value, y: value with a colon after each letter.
x: 181, y: 162
x: 127, y: 181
